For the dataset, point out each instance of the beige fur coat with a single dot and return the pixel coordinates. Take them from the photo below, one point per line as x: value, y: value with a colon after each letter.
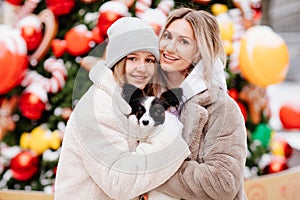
x: 215, y: 131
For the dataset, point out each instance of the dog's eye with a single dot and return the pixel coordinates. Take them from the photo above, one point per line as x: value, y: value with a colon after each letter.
x: 140, y: 111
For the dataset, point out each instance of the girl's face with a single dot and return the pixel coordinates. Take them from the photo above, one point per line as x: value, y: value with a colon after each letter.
x: 177, y: 47
x: 139, y: 68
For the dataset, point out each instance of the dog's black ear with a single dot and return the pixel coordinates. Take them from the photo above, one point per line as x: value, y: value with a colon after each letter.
x: 131, y: 92
x: 172, y: 97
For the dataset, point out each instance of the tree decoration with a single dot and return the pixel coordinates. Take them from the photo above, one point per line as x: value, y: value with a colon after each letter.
x: 109, y: 12
x: 33, y: 101
x: 289, y: 115
x: 53, y: 84
x: 24, y: 165
x: 264, y: 57
x: 51, y: 26
x: 7, y: 107
x: 26, y: 9
x: 60, y: 7
x: 13, y: 54
x: 34, y: 98
x: 31, y: 31
x: 40, y: 139
x: 82, y: 34
x: 280, y: 147
x: 262, y: 134
x: 202, y: 1
x: 277, y: 164
x: 226, y: 26
x: 14, y: 10
x: 256, y: 99
x: 156, y: 17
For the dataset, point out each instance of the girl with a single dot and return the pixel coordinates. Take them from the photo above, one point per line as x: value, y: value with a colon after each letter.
x: 96, y: 161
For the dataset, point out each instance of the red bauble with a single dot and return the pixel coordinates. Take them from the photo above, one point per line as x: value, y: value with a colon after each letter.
x: 13, y: 58
x: 60, y: 7
x: 97, y: 36
x: 233, y: 93
x: 277, y: 164
x: 202, y: 1
x: 281, y: 147
x: 78, y: 40
x: 31, y: 31
x: 290, y: 116
x: 105, y: 20
x: 31, y: 106
x: 58, y: 47
x: 243, y: 110
x: 109, y: 12
x: 24, y: 165
x: 15, y: 2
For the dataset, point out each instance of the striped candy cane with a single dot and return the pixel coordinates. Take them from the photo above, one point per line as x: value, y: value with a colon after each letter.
x: 142, y: 6
x: 53, y: 84
x: 26, y: 9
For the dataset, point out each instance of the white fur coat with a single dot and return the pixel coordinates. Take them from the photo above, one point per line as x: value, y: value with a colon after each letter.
x: 96, y: 161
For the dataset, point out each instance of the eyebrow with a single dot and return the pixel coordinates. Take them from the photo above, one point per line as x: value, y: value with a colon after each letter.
x: 134, y: 53
x: 178, y: 35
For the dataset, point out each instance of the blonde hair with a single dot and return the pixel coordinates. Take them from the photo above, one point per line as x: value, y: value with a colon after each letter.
x: 207, y: 35
x: 119, y: 71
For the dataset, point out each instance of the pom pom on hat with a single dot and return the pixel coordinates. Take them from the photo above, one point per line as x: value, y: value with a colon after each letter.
x: 127, y: 35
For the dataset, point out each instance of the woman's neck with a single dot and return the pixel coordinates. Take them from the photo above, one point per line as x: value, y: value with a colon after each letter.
x: 174, y: 79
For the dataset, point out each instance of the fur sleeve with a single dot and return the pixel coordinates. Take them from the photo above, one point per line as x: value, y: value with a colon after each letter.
x: 217, y: 173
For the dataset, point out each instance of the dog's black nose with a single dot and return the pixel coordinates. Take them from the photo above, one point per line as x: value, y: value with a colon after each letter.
x: 145, y: 122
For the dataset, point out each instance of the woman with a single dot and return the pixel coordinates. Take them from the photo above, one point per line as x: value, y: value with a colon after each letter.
x: 192, y: 57
x: 97, y: 160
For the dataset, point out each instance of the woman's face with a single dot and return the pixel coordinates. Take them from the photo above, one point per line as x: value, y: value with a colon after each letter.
x: 177, y: 47
x: 139, y: 68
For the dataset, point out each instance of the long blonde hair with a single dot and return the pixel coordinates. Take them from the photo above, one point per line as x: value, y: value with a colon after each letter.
x: 207, y: 35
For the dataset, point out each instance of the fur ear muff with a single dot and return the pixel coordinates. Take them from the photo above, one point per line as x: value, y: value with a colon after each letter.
x: 172, y: 97
x: 131, y: 92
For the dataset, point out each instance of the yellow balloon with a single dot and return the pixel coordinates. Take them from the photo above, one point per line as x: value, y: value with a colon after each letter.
x: 264, y: 57
x: 228, y: 47
x: 226, y: 26
x: 218, y: 8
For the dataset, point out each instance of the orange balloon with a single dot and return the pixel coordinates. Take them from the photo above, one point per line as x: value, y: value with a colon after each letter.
x: 264, y: 57
x: 13, y: 58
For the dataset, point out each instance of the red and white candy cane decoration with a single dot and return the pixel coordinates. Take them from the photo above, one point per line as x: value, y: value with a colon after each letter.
x: 26, y: 9
x: 53, y: 84
x: 156, y: 17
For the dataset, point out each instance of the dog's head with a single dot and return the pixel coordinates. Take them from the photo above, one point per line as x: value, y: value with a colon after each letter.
x: 150, y: 110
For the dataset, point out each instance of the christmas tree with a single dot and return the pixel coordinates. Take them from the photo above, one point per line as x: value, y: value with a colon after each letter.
x: 51, y: 40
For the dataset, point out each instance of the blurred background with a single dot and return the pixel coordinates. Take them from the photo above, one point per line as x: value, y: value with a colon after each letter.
x: 47, y: 48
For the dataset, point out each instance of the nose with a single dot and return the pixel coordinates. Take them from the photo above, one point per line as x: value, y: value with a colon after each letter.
x: 141, y: 66
x: 145, y: 122
x: 171, y: 46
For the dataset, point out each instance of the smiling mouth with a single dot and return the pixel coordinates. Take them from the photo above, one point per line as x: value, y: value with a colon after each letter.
x: 141, y: 78
x: 170, y: 58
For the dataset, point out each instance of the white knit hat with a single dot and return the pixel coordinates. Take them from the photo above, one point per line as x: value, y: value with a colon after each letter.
x: 127, y: 35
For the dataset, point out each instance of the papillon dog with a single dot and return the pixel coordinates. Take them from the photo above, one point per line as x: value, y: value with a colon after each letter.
x: 150, y: 110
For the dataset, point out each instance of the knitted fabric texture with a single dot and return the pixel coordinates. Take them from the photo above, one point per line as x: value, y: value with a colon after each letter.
x: 127, y: 35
